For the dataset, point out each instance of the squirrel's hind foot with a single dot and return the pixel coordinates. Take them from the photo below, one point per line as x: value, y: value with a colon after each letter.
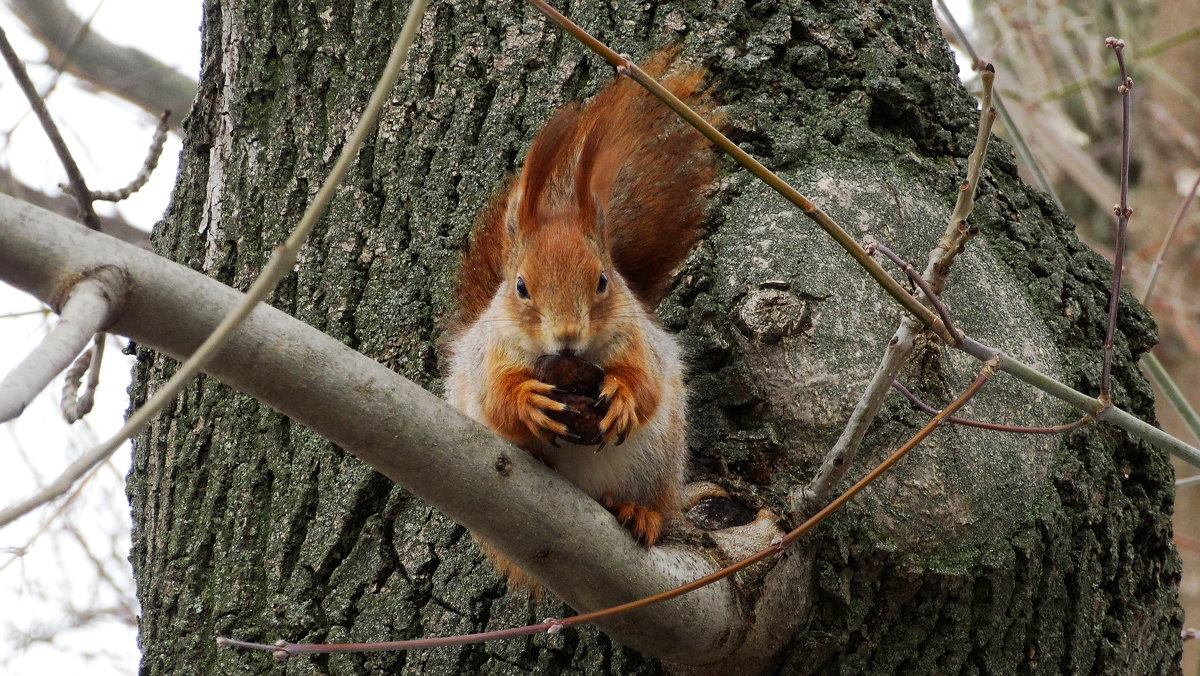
x: 644, y: 523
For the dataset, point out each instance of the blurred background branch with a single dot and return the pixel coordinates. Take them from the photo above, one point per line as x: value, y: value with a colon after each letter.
x: 127, y: 72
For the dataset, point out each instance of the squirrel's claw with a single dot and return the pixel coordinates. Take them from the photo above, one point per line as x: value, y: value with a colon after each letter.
x: 573, y: 437
x: 531, y: 406
x: 644, y: 523
x: 621, y: 418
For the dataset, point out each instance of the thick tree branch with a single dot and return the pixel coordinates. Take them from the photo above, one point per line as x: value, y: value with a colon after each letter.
x: 90, y: 305
x: 64, y: 205
x: 501, y: 493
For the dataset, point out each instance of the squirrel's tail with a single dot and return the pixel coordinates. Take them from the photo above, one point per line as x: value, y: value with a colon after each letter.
x: 625, y: 159
x: 652, y: 171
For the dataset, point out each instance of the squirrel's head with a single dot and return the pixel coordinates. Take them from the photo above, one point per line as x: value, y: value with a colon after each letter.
x: 560, y: 282
x: 562, y: 290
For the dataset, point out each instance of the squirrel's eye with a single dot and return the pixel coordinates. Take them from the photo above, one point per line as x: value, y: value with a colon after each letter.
x: 603, y: 283
x: 521, y: 290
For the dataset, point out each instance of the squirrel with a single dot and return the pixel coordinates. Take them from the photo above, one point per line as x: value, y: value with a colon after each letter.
x: 570, y: 259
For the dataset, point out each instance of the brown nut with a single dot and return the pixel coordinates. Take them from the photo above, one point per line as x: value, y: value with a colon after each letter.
x: 585, y: 424
x: 578, y: 382
x: 570, y: 374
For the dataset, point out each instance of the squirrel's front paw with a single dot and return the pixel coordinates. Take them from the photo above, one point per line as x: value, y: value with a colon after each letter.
x: 622, y: 417
x: 532, y: 403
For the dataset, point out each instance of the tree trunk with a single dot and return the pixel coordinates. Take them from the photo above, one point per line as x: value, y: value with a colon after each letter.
x: 979, y: 553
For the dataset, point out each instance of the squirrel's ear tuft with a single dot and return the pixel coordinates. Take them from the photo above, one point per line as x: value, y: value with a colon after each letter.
x: 510, y: 213
x: 549, y: 158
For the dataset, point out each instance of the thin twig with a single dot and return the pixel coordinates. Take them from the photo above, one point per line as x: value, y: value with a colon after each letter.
x: 279, y: 265
x: 916, y: 278
x: 1166, y: 243
x: 1018, y: 140
x: 88, y: 309
x: 1122, y: 212
x: 1154, y: 368
x: 143, y: 175
x: 1190, y: 481
x: 78, y: 186
x: 282, y: 650
x: 1158, y: 373
x: 72, y: 404
x: 27, y: 313
x: 996, y: 427
x: 958, y: 233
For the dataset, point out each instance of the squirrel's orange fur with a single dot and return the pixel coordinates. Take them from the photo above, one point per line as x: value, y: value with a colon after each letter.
x: 572, y: 258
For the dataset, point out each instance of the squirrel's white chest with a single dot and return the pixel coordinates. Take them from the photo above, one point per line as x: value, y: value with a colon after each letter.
x: 627, y: 472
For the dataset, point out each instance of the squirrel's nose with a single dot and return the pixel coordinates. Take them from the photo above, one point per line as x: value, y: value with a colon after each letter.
x: 567, y: 337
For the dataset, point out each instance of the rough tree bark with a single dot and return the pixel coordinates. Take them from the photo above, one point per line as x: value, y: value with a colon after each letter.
x: 980, y: 553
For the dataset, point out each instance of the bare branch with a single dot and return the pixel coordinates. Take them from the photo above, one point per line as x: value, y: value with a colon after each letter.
x: 1122, y: 212
x: 1158, y: 373
x: 933, y: 298
x: 73, y: 405
x: 960, y: 36
x: 995, y: 427
x: 1189, y: 481
x: 1154, y: 368
x: 1166, y: 243
x: 143, y: 175
x: 78, y: 186
x: 91, y: 305
x: 957, y: 232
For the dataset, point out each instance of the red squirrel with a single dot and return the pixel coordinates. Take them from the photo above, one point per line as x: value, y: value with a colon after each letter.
x: 571, y: 259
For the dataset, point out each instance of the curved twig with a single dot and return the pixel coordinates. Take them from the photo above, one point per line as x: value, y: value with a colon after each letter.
x: 995, y: 427
x: 143, y: 175
x: 89, y: 308
x: 916, y: 278
x: 73, y: 404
